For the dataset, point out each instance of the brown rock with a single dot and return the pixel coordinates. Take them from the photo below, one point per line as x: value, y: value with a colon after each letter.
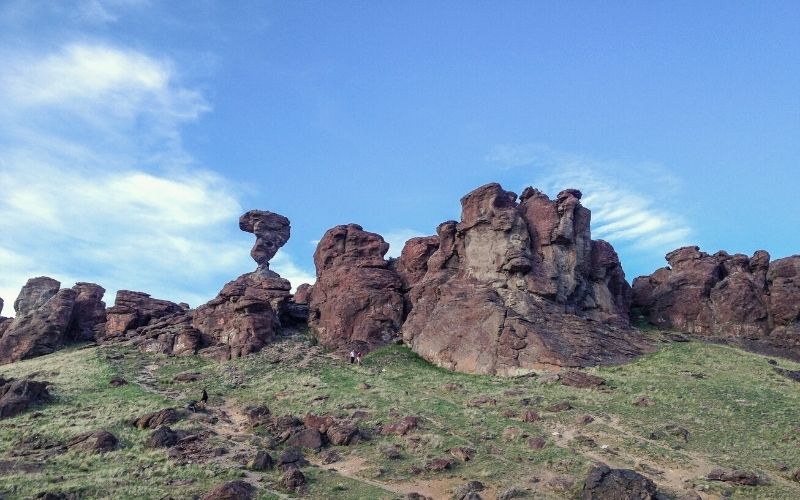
x: 132, y: 310
x: 89, y: 313
x: 402, y: 427
x: 537, y: 443
x: 463, y: 453
x: 584, y: 419
x: 291, y: 458
x: 530, y: 416
x: 16, y: 396
x: 117, y: 382
x: 521, y: 286
x: 357, y: 298
x: 306, y: 438
x: 342, y: 433
x: 188, y: 377
x: 562, y: 406
x: 318, y: 422
x: 262, y: 461
x: 164, y: 437
x: 232, y: 490
x: 581, y: 380
x: 272, y: 232
x: 44, y: 314
x: 747, y: 301
x: 257, y: 415
x: 293, y: 479
x: 99, y: 441
x: 734, y: 477
x: 438, y: 464
x: 604, y: 483
x: 157, y: 419
x: 643, y: 401
x: 302, y: 294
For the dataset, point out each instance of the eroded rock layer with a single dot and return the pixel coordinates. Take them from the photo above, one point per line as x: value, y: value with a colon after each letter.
x: 517, y: 286
x: 357, y: 300
x: 747, y: 300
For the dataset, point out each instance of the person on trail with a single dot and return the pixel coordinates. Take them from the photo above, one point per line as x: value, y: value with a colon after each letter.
x: 358, y: 357
x: 352, y: 357
x: 204, y: 398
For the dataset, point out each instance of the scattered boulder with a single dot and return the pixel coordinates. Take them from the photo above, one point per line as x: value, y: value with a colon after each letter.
x: 357, y: 298
x: 291, y: 458
x: 262, y: 461
x: 531, y: 416
x: 604, y: 483
x: 306, y: 438
x: 232, y: 490
x: 581, y: 380
x: 342, y: 433
x: 748, y: 301
x: 164, y: 437
x: 790, y: 374
x: 257, y: 415
x: 463, y: 453
x: 584, y: 419
x: 520, y: 285
x: 117, y: 382
x: 100, y: 441
x: 188, y: 377
x: 643, y: 401
x: 562, y: 406
x: 537, y: 443
x: 468, y: 491
x: 329, y: 456
x: 293, y: 479
x: 402, y: 427
x: 512, y: 492
x: 438, y: 464
x: 734, y: 477
x: 16, y: 396
x: 157, y: 419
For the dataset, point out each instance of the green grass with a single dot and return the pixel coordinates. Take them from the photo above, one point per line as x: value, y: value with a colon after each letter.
x: 739, y: 414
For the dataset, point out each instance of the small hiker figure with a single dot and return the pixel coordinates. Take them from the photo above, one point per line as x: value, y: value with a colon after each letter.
x: 204, y: 398
x: 352, y: 357
x: 358, y: 357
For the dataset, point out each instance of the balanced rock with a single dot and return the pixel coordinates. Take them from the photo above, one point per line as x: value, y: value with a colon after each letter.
x: 44, y: 313
x: 515, y: 286
x: 357, y: 298
x: 748, y: 300
x: 246, y: 314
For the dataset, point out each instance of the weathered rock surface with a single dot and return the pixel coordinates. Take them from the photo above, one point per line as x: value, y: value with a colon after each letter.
x: 157, y: 419
x: 133, y: 310
x: 232, y: 490
x: 89, y: 313
x: 302, y: 293
x: 604, y: 483
x: 100, y: 441
x: 747, y: 300
x: 357, y: 300
x: 44, y: 313
x: 17, y: 396
x: 516, y: 286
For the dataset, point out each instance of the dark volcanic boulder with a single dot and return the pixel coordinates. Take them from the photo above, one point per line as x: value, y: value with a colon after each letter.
x: 44, y: 312
x: 157, y: 418
x: 232, y: 490
x: 17, y: 395
x: 357, y: 297
x: 99, y: 441
x: 604, y: 483
x: 747, y: 300
x: 515, y: 286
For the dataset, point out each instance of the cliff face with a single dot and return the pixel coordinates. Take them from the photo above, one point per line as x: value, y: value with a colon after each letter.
x: 513, y: 286
x: 748, y: 300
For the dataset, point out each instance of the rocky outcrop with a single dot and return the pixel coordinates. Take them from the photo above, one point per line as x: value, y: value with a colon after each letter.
x: 603, y: 483
x: 89, y: 313
x: 746, y: 300
x: 357, y: 300
x: 302, y: 293
x: 133, y: 310
x: 44, y: 312
x: 516, y: 286
x: 247, y: 313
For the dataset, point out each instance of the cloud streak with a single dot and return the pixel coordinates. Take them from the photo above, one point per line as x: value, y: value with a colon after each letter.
x: 97, y: 185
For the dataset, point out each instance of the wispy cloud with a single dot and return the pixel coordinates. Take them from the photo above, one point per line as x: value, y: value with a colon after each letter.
x: 97, y: 185
x: 632, y: 203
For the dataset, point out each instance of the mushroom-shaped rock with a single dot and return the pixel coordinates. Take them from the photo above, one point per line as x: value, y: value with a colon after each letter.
x: 272, y: 232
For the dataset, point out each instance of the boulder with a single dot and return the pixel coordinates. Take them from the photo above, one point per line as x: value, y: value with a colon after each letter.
x: 164, y: 437
x: 302, y: 293
x: 16, y: 396
x: 133, y: 310
x: 748, y: 301
x: 100, y: 441
x: 293, y: 479
x: 604, y: 483
x: 357, y: 298
x: 246, y: 314
x: 262, y: 461
x: 734, y: 477
x: 157, y: 419
x: 44, y: 313
x: 516, y: 286
x: 232, y: 490
x: 306, y: 438
x: 89, y: 313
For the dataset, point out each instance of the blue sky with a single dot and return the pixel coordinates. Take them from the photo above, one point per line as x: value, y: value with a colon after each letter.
x: 133, y: 133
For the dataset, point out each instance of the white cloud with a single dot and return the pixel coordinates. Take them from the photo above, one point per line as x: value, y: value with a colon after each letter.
x: 397, y: 238
x: 631, y: 203
x: 97, y: 186
x: 283, y: 264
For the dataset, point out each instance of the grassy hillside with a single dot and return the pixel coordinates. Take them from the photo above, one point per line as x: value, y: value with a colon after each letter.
x: 701, y: 406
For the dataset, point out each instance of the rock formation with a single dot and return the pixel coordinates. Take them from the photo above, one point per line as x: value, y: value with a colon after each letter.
x: 246, y: 315
x: 747, y: 300
x: 515, y: 286
x: 89, y: 313
x: 44, y: 312
x: 357, y: 300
